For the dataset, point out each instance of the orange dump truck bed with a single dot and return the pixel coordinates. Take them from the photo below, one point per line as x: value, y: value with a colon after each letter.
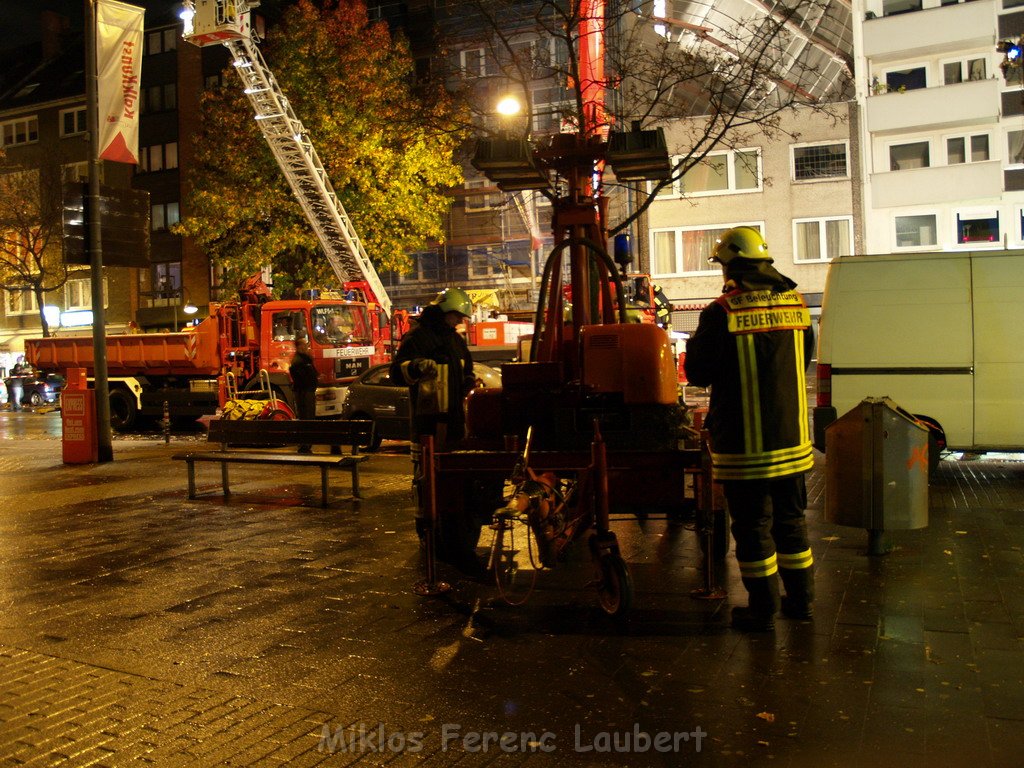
x: 193, y: 352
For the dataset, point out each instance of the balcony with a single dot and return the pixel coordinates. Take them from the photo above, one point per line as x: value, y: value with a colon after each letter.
x: 941, y: 184
x: 930, y: 32
x: 946, y: 106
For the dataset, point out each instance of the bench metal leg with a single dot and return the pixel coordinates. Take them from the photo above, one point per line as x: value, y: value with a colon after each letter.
x: 355, y: 482
x: 224, y: 478
x: 323, y: 486
x: 191, y: 478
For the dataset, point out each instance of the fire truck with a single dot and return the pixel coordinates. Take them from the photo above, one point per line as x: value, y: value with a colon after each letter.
x: 243, y: 347
x: 237, y: 357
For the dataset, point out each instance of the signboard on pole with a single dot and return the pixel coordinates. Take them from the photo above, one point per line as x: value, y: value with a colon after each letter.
x: 119, y: 31
x: 124, y: 225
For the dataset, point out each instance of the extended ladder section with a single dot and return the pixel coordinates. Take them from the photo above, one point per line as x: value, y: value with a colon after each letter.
x: 227, y: 22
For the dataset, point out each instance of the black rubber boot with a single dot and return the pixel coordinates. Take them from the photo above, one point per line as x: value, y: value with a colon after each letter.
x: 763, y: 604
x: 799, y: 584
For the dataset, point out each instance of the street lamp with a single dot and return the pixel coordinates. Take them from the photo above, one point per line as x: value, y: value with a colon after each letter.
x: 508, y: 106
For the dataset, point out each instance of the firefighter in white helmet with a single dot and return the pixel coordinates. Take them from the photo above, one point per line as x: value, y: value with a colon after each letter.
x: 434, y: 362
x: 752, y: 346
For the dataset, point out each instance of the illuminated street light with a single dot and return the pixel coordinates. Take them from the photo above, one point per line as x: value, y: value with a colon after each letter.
x: 509, y: 106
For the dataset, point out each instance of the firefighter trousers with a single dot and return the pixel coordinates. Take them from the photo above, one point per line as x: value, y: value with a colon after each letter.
x: 770, y: 531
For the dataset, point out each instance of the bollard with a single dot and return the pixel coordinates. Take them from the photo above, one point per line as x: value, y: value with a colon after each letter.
x: 165, y: 422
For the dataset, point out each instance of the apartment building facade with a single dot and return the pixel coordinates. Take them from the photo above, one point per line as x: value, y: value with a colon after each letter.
x: 943, y: 128
x: 43, y: 134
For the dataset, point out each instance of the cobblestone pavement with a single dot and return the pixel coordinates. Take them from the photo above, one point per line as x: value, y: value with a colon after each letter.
x: 140, y: 628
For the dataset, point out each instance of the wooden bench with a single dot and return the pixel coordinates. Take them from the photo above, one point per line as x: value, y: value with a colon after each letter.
x: 247, y: 435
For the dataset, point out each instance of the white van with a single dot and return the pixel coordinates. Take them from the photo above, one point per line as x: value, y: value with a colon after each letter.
x: 941, y: 334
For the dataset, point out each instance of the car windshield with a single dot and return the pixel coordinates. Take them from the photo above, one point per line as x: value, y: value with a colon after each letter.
x: 339, y: 324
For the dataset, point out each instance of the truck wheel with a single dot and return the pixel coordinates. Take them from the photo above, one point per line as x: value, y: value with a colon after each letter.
x: 124, y: 411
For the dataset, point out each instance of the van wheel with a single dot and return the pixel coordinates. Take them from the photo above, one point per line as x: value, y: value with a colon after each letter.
x: 124, y: 411
x: 936, y: 442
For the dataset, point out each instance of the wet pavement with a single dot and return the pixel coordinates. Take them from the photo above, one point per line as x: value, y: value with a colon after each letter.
x: 140, y: 628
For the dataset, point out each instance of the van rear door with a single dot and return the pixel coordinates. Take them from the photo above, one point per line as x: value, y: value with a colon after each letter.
x: 999, y: 350
x: 901, y: 327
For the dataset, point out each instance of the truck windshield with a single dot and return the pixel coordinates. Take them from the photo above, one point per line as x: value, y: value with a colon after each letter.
x: 336, y: 325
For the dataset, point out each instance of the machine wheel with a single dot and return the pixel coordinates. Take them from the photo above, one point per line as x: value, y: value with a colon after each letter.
x: 35, y: 400
x: 615, y: 592
x: 124, y: 410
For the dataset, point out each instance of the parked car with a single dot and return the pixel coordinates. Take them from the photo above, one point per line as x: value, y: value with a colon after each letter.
x: 40, y: 388
x: 374, y: 396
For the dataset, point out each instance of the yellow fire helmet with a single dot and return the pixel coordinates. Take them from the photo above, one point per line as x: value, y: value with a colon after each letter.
x: 744, y: 242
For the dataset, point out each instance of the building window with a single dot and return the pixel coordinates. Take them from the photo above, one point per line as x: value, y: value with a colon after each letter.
x: 978, y: 227
x: 473, y: 62
x: 78, y: 294
x: 822, y: 239
x: 424, y: 268
x: 79, y: 172
x: 158, y: 157
x: 1015, y: 148
x: 903, y: 157
x: 163, y: 216
x: 72, y: 121
x: 962, y: 71
x: 820, y: 161
x: 915, y: 231
x: 967, y: 149
x: 21, y: 301
x: 549, y: 107
x: 481, y: 202
x: 211, y: 82
x: 160, y: 98
x: 686, y: 250
x: 24, y: 130
x: 906, y: 79
x: 724, y: 172
x: 484, y: 262
x: 892, y: 7
x: 166, y: 280
x: 161, y: 40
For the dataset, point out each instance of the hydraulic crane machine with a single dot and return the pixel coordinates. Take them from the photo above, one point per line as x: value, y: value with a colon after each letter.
x: 592, y: 421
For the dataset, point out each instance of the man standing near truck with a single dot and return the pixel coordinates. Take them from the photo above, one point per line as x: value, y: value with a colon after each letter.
x: 304, y: 380
x: 752, y: 346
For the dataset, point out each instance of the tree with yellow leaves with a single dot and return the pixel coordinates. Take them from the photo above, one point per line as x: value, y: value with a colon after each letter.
x: 386, y: 145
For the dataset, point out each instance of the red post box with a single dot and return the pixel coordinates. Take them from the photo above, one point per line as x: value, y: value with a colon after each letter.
x: 78, y: 418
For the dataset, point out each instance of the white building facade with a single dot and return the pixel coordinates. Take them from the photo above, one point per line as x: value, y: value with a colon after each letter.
x: 943, y: 127
x: 799, y: 188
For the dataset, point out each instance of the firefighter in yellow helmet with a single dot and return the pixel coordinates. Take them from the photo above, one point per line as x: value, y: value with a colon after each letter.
x: 752, y: 346
x: 434, y: 362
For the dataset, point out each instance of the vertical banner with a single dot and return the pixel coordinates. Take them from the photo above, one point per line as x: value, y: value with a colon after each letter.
x: 119, y: 30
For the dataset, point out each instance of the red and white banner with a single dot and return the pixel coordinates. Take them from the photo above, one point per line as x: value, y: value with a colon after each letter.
x: 119, y: 30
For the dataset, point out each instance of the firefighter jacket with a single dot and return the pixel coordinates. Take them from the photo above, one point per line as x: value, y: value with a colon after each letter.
x: 435, y: 397
x: 753, y: 348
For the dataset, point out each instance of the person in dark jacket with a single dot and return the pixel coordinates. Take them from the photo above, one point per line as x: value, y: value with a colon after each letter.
x: 434, y: 362
x: 752, y: 346
x: 304, y: 380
